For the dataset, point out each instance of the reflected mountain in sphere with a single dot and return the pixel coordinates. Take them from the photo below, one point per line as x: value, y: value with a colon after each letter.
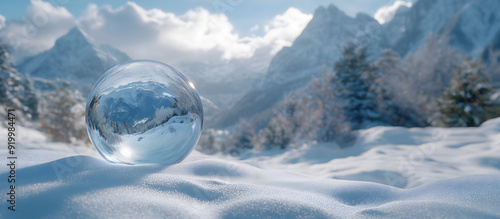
x: 144, y: 112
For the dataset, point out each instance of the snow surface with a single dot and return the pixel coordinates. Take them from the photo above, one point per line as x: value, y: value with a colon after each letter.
x: 436, y: 170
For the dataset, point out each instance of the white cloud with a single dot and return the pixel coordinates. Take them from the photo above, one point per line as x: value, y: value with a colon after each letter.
x: 386, y: 13
x: 255, y: 28
x: 38, y: 29
x: 283, y: 30
x: 196, y: 35
x: 2, y: 21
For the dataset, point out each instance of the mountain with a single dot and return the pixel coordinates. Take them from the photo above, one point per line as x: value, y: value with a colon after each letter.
x: 321, y: 42
x: 469, y: 25
x: 317, y: 46
x: 224, y: 82
x: 493, y: 50
x: 74, y: 57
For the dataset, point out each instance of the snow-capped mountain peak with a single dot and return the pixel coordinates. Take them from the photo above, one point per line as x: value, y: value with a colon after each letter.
x: 470, y: 25
x: 319, y: 45
x: 75, y: 57
x: 76, y: 39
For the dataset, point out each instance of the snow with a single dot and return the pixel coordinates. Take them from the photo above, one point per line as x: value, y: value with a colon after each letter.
x: 400, y: 157
x: 317, y: 46
x: 438, y: 177
x: 74, y: 57
x: 470, y: 25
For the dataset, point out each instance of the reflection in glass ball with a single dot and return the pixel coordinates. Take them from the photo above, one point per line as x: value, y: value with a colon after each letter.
x: 144, y: 111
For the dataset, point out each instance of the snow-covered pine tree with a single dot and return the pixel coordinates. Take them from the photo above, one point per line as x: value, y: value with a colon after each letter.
x: 354, y: 77
x: 15, y: 91
x: 467, y: 102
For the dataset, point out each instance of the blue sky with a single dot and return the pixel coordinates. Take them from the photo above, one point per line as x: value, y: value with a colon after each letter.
x: 171, y: 31
x: 243, y: 14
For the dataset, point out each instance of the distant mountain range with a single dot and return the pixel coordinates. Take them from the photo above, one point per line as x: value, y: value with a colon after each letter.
x: 74, y: 57
x: 470, y: 25
x: 77, y: 61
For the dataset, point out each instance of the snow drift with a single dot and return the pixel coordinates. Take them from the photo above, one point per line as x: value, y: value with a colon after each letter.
x: 56, y: 181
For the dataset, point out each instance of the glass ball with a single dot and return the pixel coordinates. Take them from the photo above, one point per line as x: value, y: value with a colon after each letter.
x: 144, y: 111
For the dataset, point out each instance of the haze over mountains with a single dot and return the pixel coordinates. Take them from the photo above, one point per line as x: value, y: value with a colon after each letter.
x: 78, y: 59
x: 470, y: 26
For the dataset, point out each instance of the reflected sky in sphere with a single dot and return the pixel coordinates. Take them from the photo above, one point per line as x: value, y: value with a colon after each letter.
x: 144, y: 111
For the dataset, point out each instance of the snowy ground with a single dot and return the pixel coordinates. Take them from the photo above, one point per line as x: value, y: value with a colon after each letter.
x: 430, y: 172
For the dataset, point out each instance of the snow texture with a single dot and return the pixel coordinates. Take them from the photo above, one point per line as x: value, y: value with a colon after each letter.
x: 433, y: 173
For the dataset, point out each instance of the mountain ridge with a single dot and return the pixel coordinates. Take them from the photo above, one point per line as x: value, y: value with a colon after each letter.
x: 74, y: 57
x: 330, y: 29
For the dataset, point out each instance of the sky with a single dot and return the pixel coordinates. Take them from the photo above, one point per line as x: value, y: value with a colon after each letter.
x: 193, y: 30
x: 242, y: 13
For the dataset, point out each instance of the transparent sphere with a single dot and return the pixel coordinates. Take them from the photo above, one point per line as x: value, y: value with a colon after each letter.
x: 144, y: 111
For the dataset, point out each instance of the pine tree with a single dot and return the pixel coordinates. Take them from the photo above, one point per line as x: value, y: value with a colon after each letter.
x: 355, y: 76
x: 467, y: 102
x: 16, y: 91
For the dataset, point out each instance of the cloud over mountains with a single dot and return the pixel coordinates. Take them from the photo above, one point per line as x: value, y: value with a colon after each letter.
x: 197, y: 35
x: 386, y: 13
